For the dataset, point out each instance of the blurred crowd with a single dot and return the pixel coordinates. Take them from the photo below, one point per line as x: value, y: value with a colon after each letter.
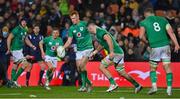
x: 120, y: 17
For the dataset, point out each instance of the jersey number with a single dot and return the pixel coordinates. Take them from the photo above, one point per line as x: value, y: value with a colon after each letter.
x: 156, y: 26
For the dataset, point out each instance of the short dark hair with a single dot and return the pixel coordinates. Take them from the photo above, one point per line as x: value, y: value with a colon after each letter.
x: 91, y: 23
x: 55, y: 28
x: 74, y: 13
x: 36, y: 25
x: 149, y: 10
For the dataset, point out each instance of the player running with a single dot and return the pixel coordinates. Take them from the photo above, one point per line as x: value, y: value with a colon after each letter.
x: 15, y: 43
x: 158, y: 31
x: 115, y: 56
x: 79, y: 32
x: 50, y: 55
x: 33, y: 55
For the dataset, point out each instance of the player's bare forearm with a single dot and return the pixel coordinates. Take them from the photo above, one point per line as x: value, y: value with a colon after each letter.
x: 142, y: 35
x: 109, y: 42
x: 99, y: 48
x: 41, y: 47
x: 143, y: 39
x: 172, y: 36
x: 9, y: 39
x: 28, y: 42
x: 68, y: 42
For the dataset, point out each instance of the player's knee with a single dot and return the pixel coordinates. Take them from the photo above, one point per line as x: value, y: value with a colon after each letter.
x: 51, y: 68
x: 120, y: 68
x: 166, y: 61
x: 167, y: 68
x: 15, y: 66
x: 153, y: 64
x: 43, y: 66
x: 104, y: 64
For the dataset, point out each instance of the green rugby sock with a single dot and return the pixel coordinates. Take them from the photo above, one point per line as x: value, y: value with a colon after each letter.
x: 49, y: 75
x: 13, y: 73
x: 111, y: 80
x: 153, y: 76
x: 19, y: 72
x: 83, y: 78
x: 135, y: 83
x: 169, y: 79
x: 87, y: 80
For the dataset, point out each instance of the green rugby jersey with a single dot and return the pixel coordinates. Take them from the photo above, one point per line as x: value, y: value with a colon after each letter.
x: 156, y: 33
x: 51, y: 45
x: 80, y: 33
x: 19, y: 34
x: 100, y: 37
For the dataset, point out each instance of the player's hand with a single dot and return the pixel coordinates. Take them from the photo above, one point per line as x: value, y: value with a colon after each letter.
x: 92, y: 55
x: 176, y: 48
x: 33, y: 47
x: 43, y: 55
x: 7, y: 52
x: 111, y: 55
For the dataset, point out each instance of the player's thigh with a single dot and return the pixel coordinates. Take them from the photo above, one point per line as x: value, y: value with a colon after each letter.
x: 18, y: 56
x: 29, y: 67
x: 85, y: 58
x: 82, y: 56
x: 106, y: 62
x: 14, y: 66
x: 24, y: 63
x: 166, y: 55
x: 42, y: 64
x: 155, y: 54
x: 118, y: 59
x: 119, y: 62
x: 79, y: 56
x: 51, y: 61
x: 83, y: 63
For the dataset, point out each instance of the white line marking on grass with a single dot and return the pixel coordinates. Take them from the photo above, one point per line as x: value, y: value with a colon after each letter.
x: 11, y: 94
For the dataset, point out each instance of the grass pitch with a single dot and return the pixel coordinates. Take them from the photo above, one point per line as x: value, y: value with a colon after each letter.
x: 71, y: 92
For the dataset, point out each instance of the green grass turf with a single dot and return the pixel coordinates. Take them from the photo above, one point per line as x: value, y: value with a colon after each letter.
x: 71, y: 92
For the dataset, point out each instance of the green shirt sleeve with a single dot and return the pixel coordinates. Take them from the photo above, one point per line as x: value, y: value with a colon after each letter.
x: 60, y: 42
x: 70, y: 32
x: 45, y: 40
x: 101, y: 34
x: 141, y: 24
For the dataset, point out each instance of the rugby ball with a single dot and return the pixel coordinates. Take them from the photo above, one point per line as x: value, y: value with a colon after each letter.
x: 61, y: 51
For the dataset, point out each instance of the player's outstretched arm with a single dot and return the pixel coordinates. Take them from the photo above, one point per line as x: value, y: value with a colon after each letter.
x: 142, y: 35
x: 9, y: 39
x: 172, y: 36
x: 68, y: 42
x: 28, y: 42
